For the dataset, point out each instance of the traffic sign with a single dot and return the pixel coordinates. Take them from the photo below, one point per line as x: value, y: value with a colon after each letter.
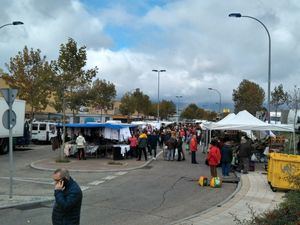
x: 9, y: 123
x: 9, y: 95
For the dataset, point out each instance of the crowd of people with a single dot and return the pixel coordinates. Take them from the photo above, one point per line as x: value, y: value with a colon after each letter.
x: 180, y: 141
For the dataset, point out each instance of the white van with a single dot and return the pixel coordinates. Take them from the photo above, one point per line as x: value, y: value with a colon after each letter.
x: 43, y: 131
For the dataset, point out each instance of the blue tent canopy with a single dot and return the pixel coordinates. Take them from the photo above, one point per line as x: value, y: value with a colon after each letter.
x: 97, y: 125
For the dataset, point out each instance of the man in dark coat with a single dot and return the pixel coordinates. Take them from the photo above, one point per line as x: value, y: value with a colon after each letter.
x: 68, y: 198
x: 244, y: 154
x: 226, y: 157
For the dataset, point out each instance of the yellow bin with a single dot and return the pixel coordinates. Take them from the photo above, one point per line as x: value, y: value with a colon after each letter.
x: 280, y: 168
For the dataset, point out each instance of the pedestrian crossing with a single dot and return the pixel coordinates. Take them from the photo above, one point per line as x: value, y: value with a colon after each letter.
x: 84, y: 187
x: 103, y: 180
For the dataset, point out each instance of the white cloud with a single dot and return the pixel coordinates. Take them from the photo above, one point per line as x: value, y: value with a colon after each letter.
x: 195, y: 41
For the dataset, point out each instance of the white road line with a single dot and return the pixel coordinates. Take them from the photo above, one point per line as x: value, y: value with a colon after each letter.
x: 84, y: 188
x: 29, y: 181
x: 109, y: 177
x: 120, y: 173
x: 96, y: 182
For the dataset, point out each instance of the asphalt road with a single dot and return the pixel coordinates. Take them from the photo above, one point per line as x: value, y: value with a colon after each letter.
x: 158, y: 194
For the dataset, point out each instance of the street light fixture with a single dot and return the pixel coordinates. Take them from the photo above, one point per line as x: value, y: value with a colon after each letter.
x: 177, y: 108
x: 13, y: 23
x: 158, y: 73
x: 220, y: 99
x: 239, y: 15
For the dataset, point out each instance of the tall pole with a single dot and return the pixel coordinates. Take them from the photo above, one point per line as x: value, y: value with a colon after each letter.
x: 220, y: 98
x: 177, y: 108
x: 238, y: 15
x: 11, y: 160
x: 158, y: 100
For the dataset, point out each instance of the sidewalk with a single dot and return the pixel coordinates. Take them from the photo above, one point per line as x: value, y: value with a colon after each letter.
x: 254, y: 192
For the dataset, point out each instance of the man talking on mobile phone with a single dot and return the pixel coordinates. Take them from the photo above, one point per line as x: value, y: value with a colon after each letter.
x: 68, y: 198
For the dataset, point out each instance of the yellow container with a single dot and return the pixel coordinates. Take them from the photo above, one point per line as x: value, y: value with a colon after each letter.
x: 281, y: 167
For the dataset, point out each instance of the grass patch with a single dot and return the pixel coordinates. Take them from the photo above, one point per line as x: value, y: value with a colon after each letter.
x: 115, y: 163
x: 64, y: 160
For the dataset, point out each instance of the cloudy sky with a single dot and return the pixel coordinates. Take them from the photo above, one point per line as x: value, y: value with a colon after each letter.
x: 195, y: 41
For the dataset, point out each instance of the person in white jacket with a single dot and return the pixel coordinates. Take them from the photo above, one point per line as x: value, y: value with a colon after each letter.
x: 80, y: 144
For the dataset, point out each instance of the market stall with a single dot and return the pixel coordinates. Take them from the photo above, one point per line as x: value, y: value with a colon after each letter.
x: 103, y: 139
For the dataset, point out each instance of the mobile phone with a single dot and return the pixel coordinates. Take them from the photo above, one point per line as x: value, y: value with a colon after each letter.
x: 64, y: 180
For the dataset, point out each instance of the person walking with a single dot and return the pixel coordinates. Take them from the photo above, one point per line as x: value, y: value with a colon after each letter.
x: 133, y: 141
x: 142, y: 145
x: 80, y: 144
x: 226, y: 158
x: 180, y: 149
x: 244, y: 153
x: 213, y: 157
x: 193, y: 148
x: 68, y: 199
x: 171, y: 145
x: 153, y: 140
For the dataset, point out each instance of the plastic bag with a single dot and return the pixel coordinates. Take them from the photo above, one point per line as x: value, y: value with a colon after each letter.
x: 254, y: 158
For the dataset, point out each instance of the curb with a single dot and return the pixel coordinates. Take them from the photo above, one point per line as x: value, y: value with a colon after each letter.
x: 95, y: 171
x: 27, y: 204
x: 186, y: 219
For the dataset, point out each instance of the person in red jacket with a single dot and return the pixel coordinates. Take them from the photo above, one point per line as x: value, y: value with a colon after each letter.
x: 214, y: 157
x: 193, y: 148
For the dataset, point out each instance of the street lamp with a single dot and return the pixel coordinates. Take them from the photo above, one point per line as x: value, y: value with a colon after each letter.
x: 177, y: 108
x: 158, y: 72
x: 220, y: 100
x: 13, y: 23
x: 239, y: 15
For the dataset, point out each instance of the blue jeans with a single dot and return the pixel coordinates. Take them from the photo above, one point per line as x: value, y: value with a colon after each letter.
x: 225, y: 169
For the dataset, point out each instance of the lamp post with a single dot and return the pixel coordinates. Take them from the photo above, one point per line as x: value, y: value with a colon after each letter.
x: 177, y: 108
x: 158, y: 73
x: 239, y: 15
x: 13, y: 23
x: 220, y: 99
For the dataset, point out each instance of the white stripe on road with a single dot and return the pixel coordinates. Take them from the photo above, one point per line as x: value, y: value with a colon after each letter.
x: 109, y: 177
x: 96, y: 182
x: 84, y: 188
x: 28, y: 180
x: 120, y: 173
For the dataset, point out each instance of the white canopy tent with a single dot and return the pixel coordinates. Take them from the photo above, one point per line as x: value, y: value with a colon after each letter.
x: 246, y: 122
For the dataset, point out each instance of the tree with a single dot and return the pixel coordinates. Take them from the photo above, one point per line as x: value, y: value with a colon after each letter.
x: 30, y: 73
x: 127, y: 106
x: 279, y: 97
x: 102, y: 95
x: 248, y: 96
x: 190, y: 112
x: 294, y: 104
x: 136, y: 102
x: 142, y: 103
x: 166, y: 109
x: 70, y: 76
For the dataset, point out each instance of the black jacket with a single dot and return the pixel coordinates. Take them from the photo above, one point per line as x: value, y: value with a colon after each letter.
x: 66, y: 209
x: 153, y: 140
x: 245, y: 150
x: 226, y: 154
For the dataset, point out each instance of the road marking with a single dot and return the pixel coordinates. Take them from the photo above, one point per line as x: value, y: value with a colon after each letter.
x: 96, y: 182
x: 109, y: 177
x: 120, y: 173
x: 27, y: 180
x: 84, y: 188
